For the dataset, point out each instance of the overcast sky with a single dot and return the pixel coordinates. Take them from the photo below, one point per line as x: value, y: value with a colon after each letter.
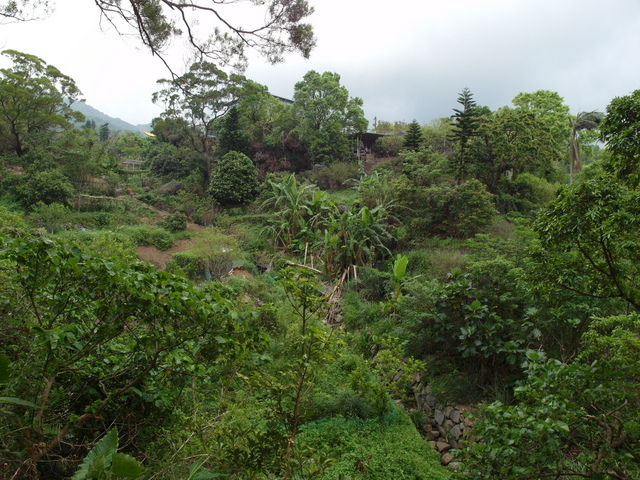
x: 407, y: 59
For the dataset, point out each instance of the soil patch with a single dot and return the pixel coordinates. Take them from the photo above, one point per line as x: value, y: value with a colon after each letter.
x: 160, y: 258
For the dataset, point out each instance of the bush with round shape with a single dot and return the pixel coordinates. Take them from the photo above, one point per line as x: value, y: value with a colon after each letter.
x: 174, y: 222
x: 47, y: 187
x: 235, y: 180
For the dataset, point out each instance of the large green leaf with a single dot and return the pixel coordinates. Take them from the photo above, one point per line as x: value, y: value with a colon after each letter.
x: 400, y: 267
x: 18, y: 401
x: 98, y: 468
x: 125, y: 466
x: 105, y: 448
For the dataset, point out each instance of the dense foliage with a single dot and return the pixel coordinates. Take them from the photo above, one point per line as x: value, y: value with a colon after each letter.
x: 327, y: 285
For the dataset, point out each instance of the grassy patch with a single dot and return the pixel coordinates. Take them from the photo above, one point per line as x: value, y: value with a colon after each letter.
x: 385, y: 448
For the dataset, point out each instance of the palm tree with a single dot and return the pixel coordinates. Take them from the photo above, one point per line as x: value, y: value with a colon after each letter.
x: 582, y: 121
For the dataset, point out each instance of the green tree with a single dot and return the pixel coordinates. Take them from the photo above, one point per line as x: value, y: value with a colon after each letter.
x: 413, y: 137
x: 589, y: 240
x: 464, y: 127
x: 104, y: 132
x: 35, y: 100
x: 270, y: 124
x: 306, y: 301
x: 474, y: 208
x: 512, y: 141
x: 171, y: 130
x: 549, y: 108
x: 48, y: 186
x: 24, y: 11
x: 620, y: 130
x: 79, y: 155
x: 231, y: 136
x: 437, y: 135
x: 215, y: 252
x: 389, y: 146
x: 326, y: 115
x: 390, y: 128
x: 234, y: 180
x: 199, y: 98
x: 158, y: 22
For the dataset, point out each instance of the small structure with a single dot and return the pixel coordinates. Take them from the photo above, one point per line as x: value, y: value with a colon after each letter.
x: 364, y: 143
x: 130, y: 164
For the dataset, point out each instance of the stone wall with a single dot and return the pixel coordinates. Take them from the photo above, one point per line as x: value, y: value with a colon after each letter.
x: 446, y: 427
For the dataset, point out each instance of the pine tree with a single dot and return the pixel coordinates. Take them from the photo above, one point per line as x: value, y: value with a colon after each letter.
x: 414, y: 137
x: 231, y: 137
x: 465, y: 125
x: 104, y: 132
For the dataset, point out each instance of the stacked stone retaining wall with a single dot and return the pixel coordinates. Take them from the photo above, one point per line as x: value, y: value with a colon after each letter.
x: 446, y: 427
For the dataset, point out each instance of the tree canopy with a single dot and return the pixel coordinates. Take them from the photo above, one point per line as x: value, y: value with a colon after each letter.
x: 198, y: 99
x: 620, y: 129
x: 326, y: 113
x: 35, y: 98
x: 280, y: 28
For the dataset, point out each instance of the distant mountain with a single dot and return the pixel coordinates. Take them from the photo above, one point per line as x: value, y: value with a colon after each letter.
x: 100, y: 118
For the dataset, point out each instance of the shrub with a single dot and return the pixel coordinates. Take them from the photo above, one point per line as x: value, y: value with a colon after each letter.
x: 472, y: 207
x: 148, y: 235
x: 47, y: 187
x: 53, y: 217
x: 371, y: 284
x: 174, y: 222
x: 235, y: 180
x: 11, y: 223
x: 101, y: 243
x: 188, y: 262
x: 524, y: 193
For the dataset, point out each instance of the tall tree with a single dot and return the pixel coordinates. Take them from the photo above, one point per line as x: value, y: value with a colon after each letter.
x: 549, y: 108
x: 231, y: 136
x: 512, y: 141
x: 582, y: 121
x: 104, y: 132
x: 326, y: 115
x: 35, y: 98
x: 414, y: 137
x: 464, y: 127
x: 199, y: 97
x: 278, y: 28
x: 620, y: 129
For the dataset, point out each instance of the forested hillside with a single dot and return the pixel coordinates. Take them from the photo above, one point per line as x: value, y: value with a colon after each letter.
x: 333, y: 289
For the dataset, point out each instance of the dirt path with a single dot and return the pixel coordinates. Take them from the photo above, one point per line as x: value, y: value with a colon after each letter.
x: 160, y: 258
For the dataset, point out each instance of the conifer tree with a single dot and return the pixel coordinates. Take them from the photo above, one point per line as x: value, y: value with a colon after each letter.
x: 414, y: 137
x: 104, y: 132
x: 231, y: 137
x: 465, y: 126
